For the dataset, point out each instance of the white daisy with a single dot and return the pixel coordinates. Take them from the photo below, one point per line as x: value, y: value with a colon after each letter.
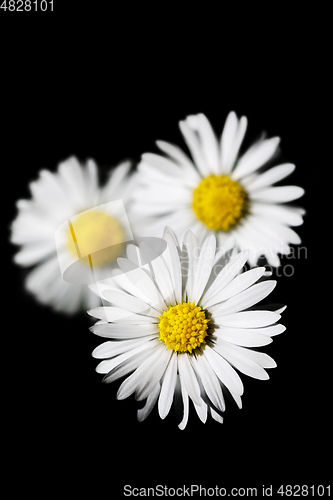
x: 220, y: 191
x: 56, y: 199
x: 184, y: 327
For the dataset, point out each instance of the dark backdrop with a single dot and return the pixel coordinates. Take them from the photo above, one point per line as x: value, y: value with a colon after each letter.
x: 91, y: 95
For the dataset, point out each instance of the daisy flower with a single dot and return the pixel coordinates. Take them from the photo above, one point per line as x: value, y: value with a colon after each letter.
x: 72, y: 191
x: 220, y: 191
x: 183, y: 326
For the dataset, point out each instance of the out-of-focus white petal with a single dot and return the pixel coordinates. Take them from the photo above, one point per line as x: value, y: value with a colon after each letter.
x: 255, y: 157
x: 271, y: 176
x: 280, y: 194
x: 194, y: 146
x: 231, y: 140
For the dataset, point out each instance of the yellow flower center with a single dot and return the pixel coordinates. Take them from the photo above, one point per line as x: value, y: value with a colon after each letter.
x: 95, y: 233
x: 183, y: 327
x: 219, y: 202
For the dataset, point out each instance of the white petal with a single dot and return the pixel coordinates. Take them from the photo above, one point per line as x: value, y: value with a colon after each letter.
x: 244, y: 240
x: 203, y: 268
x: 147, y: 207
x: 247, y: 361
x: 71, y: 173
x: 123, y: 282
x: 257, y: 235
x: 274, y: 329
x: 171, y: 256
x: 283, y: 214
x: 159, y: 193
x: 153, y: 175
x: 255, y: 157
x: 180, y: 157
x: 142, y: 281
x: 241, y: 362
x: 150, y: 403
x: 112, y: 189
x: 208, y: 140
x: 231, y: 140
x: 280, y: 194
x: 216, y: 416
x: 116, y: 314
x: 227, y: 140
x: 137, y: 380
x: 168, y: 387
x: 163, y: 164
x: 128, y: 302
x: 110, y: 349
x: 31, y: 225
x: 224, y: 247
x: 108, y: 365
x: 152, y: 374
x: 269, y: 177
x: 201, y: 410
x: 237, y: 285
x: 49, y: 196
x: 225, y: 277
x: 168, y: 231
x: 191, y: 248
x: 162, y: 278
x: 258, y: 357
x: 243, y: 336
x: 200, y: 230
x: 124, y: 330
x: 285, y: 233
x: 89, y: 299
x: 133, y: 254
x: 33, y: 253
x: 188, y: 378
x: 248, y: 319
x: 119, y: 367
x: 209, y: 380
x: 237, y: 399
x: 180, y: 221
x: 281, y: 309
x: 91, y: 183
x: 224, y: 371
x: 276, y: 235
x: 234, y: 149
x: 99, y: 287
x: 194, y: 146
x: 183, y: 423
x: 244, y: 300
x: 43, y: 275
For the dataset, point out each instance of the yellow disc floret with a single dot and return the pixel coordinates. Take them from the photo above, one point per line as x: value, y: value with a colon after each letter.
x: 183, y: 327
x: 219, y: 202
x: 95, y: 237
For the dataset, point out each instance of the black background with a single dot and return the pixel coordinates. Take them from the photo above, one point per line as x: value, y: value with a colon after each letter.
x: 90, y: 86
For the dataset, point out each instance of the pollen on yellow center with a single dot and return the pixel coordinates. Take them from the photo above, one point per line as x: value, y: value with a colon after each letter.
x: 95, y: 237
x: 219, y: 202
x: 183, y: 327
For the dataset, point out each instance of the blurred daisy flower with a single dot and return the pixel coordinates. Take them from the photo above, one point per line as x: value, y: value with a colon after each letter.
x: 220, y: 191
x: 183, y: 325
x: 56, y: 198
